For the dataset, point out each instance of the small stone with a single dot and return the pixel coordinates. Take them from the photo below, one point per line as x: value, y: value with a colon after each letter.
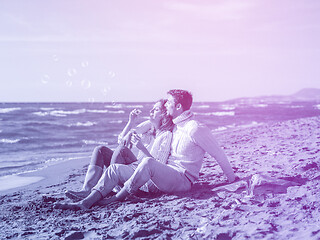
x: 75, y: 235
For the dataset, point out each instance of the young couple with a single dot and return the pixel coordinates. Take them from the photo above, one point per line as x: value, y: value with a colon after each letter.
x: 169, y: 160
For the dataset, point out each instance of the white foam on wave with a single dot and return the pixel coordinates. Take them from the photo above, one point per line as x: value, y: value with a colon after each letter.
x: 13, y: 164
x: 114, y: 106
x: 203, y: 106
x: 41, y: 114
x: 98, y: 111
x: 82, y: 124
x: 223, y: 128
x: 119, y: 111
x: 54, y: 160
x: 295, y: 106
x: 62, y: 113
x: 105, y: 111
x: 59, y: 113
x: 46, y: 109
x: 229, y: 113
x: 261, y: 105
x: 252, y: 124
x: 317, y: 106
x: 11, y: 141
x: 7, y: 110
x: 134, y: 106
x: 227, y: 107
x: 93, y: 142
x: 234, y: 126
x: 115, y: 121
x: 220, y: 129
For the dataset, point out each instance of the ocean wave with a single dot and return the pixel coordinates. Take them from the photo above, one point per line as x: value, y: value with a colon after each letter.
x: 98, y: 111
x: 227, y: 107
x: 220, y: 129
x: 93, y: 142
x: 230, y: 113
x: 7, y: 110
x: 115, y: 121
x: 235, y: 126
x: 13, y: 165
x: 54, y: 160
x: 41, y: 114
x: 134, y: 106
x: 59, y: 113
x: 202, y: 106
x: 296, y: 106
x: 11, y: 141
x: 82, y: 124
x: 105, y: 111
x: 37, y: 125
x: 261, y: 105
x: 119, y: 111
x: 251, y: 124
x: 317, y: 106
x: 62, y: 113
x: 114, y: 106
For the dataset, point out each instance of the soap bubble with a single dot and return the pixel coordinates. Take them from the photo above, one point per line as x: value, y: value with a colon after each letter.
x: 85, y: 64
x: 105, y: 90
x: 55, y: 58
x: 111, y: 74
x: 86, y: 84
x: 114, y: 103
x: 69, y: 83
x: 45, y: 79
x: 72, y: 72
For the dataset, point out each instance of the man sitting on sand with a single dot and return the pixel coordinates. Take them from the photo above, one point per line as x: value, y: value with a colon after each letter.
x: 191, y: 140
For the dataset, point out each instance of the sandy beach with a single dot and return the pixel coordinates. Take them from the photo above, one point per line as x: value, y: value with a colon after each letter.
x: 277, y: 196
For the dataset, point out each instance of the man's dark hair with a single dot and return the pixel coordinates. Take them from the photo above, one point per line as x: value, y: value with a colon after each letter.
x: 183, y: 97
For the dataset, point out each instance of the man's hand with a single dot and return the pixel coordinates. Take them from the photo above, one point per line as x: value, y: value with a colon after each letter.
x: 126, y: 141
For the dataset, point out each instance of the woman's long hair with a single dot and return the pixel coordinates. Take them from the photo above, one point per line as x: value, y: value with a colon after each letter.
x: 166, y: 123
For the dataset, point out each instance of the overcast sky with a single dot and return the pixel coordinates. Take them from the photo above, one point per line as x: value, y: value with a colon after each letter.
x: 136, y: 50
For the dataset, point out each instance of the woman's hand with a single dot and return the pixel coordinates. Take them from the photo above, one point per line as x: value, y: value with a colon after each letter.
x: 136, y: 140
x: 134, y: 115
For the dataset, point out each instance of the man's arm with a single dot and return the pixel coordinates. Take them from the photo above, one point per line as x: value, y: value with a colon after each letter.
x: 203, y: 137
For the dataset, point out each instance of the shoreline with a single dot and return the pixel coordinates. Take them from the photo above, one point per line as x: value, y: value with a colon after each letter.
x: 42, y: 177
x: 280, y: 160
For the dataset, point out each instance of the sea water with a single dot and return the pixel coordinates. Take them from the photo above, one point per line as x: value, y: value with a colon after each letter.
x: 37, y: 135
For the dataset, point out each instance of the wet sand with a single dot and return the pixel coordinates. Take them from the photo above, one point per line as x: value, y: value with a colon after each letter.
x: 277, y: 196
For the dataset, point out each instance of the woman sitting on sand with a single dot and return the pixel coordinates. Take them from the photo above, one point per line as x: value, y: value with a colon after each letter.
x: 152, y: 137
